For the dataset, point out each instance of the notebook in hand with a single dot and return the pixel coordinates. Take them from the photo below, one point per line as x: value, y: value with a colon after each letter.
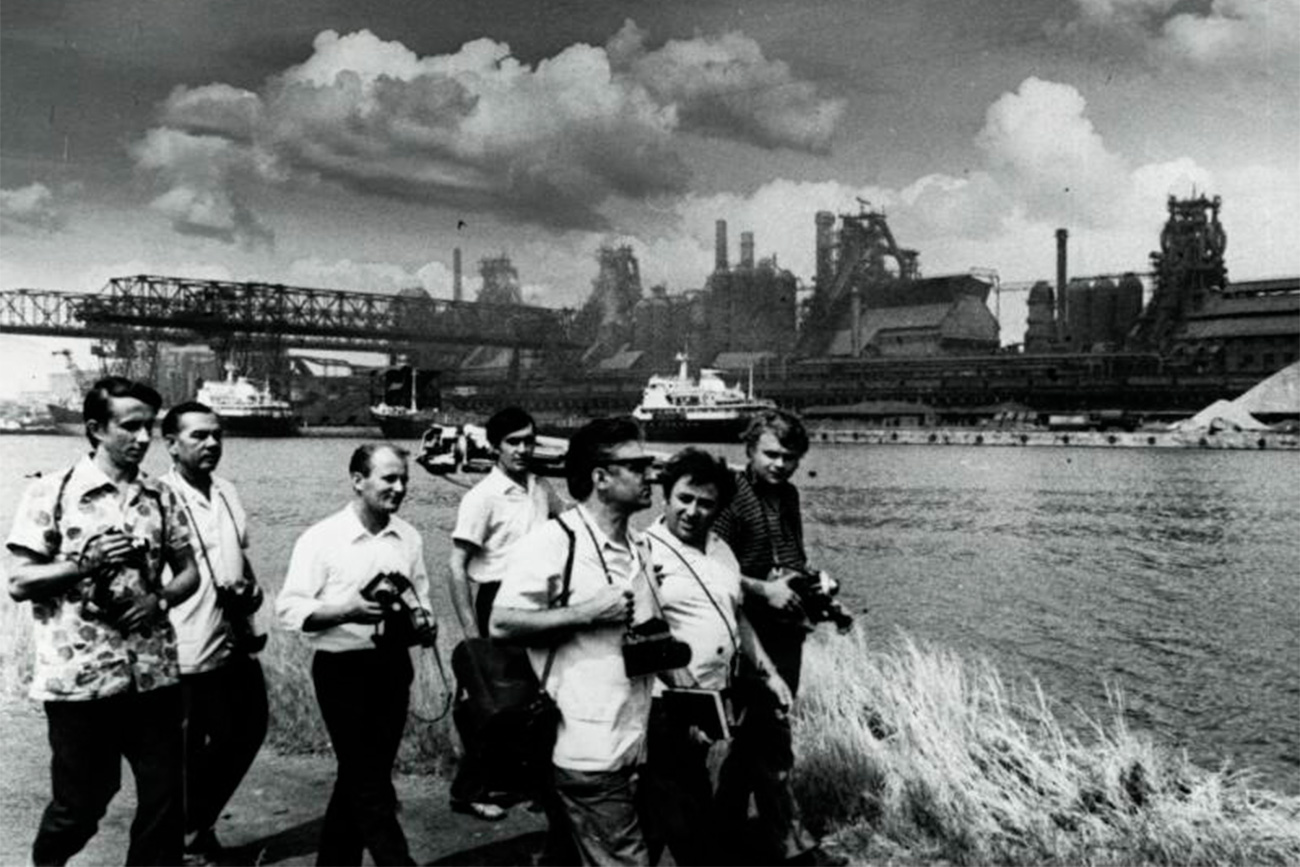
x: 704, y: 708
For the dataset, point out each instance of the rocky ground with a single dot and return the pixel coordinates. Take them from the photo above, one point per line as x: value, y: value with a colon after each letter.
x: 274, y: 818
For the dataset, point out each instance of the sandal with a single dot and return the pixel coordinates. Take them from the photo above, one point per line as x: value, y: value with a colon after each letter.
x: 486, y: 812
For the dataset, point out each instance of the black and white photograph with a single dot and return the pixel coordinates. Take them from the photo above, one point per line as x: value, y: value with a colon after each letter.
x: 650, y: 432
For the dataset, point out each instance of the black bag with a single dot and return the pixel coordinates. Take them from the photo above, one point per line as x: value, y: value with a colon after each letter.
x: 500, y: 701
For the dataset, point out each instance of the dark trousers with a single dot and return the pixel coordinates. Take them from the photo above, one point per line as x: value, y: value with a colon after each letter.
x: 600, y: 813
x: 676, y: 795
x: 474, y: 773
x: 363, y: 696
x: 760, y: 763
x: 89, y: 739
x: 225, y: 724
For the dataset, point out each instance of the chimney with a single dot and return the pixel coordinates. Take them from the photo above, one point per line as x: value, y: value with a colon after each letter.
x: 747, y: 250
x: 1061, y: 274
x: 457, y: 287
x: 825, y: 246
x: 720, y: 247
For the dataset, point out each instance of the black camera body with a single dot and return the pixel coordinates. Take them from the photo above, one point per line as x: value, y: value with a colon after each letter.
x: 817, y: 592
x: 107, y: 598
x: 649, y: 648
x: 406, y: 623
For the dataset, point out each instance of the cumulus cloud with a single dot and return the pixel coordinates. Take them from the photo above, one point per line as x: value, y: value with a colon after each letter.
x: 1229, y: 34
x: 205, y: 176
x: 31, y: 210
x: 381, y: 277
x: 724, y: 86
x: 480, y: 131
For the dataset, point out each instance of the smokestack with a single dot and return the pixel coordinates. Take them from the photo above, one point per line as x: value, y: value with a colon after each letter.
x: 720, y: 247
x: 825, y: 246
x: 747, y: 250
x: 1061, y: 274
x: 457, y: 287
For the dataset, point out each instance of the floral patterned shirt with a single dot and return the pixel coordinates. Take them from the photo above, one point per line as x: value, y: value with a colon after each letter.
x: 79, y: 657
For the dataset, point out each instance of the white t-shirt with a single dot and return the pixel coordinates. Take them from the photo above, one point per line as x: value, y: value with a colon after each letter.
x: 219, y: 538
x: 603, y: 712
x: 706, y: 620
x: 496, y: 513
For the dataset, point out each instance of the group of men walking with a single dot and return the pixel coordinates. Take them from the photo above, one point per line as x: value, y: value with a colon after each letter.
x: 143, y: 595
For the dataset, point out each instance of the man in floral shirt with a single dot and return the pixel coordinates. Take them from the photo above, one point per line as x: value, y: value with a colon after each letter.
x: 88, y: 546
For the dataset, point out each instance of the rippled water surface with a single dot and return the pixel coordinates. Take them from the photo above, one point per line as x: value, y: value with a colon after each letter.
x: 1171, y: 576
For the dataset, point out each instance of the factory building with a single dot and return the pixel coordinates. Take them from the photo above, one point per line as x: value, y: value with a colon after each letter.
x: 750, y: 307
x: 1250, y: 327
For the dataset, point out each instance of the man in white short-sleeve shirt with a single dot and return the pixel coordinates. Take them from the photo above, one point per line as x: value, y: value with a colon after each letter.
x: 577, y: 643
x: 222, y: 688
x: 700, y: 590
x: 494, y: 515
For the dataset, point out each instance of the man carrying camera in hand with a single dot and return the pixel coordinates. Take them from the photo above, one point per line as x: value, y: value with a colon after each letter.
x: 357, y: 588
x: 221, y: 680
x: 764, y: 527
x: 580, y: 643
x: 88, y: 548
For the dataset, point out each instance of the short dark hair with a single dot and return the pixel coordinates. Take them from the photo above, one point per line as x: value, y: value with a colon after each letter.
x: 701, y: 468
x: 171, y: 423
x: 96, y: 405
x: 362, y: 460
x: 784, y: 425
x: 507, y: 421
x: 593, y: 442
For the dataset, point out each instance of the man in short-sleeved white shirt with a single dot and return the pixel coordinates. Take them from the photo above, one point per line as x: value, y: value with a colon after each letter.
x: 222, y: 687
x: 494, y: 515
x: 362, y: 685
x: 603, y: 712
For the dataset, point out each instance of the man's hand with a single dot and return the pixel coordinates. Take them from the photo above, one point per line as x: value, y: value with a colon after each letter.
x: 141, y: 612
x: 113, y: 548
x: 609, y: 605
x: 358, y: 609
x: 780, y: 690
x: 780, y: 595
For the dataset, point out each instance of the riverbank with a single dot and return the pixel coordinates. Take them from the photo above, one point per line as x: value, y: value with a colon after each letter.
x: 1036, y: 437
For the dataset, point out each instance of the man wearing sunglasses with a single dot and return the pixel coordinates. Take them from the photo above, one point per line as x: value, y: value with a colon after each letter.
x: 576, y: 641
x: 493, y: 515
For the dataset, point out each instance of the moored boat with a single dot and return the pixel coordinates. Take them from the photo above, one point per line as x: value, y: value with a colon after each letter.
x: 247, y: 409
x: 681, y: 409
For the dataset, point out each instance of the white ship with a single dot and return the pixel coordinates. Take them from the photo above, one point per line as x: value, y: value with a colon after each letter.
x: 247, y: 409
x: 681, y: 409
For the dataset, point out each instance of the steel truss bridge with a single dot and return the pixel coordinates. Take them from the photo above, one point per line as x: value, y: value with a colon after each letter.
x: 180, y: 310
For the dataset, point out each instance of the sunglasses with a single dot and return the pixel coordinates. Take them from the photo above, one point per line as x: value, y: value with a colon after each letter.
x: 636, y: 465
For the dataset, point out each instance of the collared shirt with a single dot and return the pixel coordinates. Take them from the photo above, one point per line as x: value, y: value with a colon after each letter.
x: 77, y: 658
x: 338, y: 556
x: 219, y: 536
x: 700, y: 593
x: 603, y: 713
x: 496, y: 513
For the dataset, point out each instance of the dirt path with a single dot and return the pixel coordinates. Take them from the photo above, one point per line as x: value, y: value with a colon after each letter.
x: 274, y: 818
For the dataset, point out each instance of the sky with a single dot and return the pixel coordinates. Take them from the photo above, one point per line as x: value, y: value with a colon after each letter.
x: 353, y: 145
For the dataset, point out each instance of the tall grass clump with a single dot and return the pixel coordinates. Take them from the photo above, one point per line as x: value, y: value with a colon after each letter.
x: 915, y: 754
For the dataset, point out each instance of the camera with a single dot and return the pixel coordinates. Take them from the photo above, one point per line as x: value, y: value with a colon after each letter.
x: 817, y: 592
x: 107, y: 598
x: 406, y: 622
x: 649, y: 648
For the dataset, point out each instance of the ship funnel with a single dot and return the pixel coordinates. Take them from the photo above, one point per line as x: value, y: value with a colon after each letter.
x: 747, y: 250
x: 720, y: 247
x: 457, y: 287
x: 1061, y: 273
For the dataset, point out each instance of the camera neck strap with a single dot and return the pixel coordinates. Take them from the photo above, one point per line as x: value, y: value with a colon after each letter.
x: 735, y: 643
x: 638, y: 560
x: 562, y: 599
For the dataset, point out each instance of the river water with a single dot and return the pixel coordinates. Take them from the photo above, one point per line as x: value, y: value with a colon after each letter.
x: 1170, y: 576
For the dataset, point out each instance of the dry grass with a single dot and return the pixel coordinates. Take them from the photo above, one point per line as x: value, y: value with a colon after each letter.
x: 916, y: 755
